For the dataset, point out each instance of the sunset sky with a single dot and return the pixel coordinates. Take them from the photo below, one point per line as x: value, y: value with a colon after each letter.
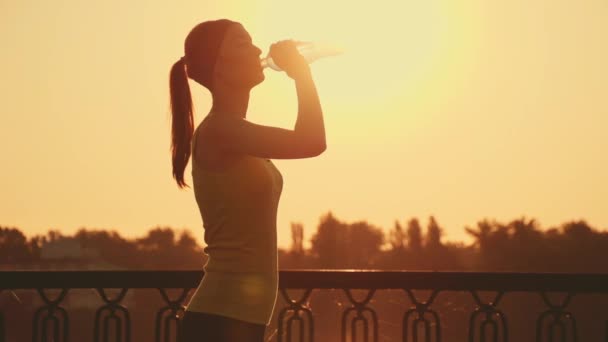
x: 458, y: 109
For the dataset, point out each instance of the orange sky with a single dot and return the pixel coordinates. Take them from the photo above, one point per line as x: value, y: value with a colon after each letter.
x: 478, y: 109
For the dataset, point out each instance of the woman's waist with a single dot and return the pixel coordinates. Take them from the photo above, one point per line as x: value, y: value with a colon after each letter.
x: 222, y: 261
x: 241, y: 284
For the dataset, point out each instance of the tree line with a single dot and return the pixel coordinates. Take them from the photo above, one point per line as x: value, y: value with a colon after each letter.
x: 518, y: 245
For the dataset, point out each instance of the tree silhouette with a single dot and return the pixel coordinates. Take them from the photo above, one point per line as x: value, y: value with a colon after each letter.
x: 329, y: 243
x: 414, y: 236
x: 433, y: 235
x: 520, y: 245
x: 364, y: 241
x: 110, y: 246
x: 397, y: 237
x: 187, y: 242
x: 340, y: 245
x: 157, y: 239
x: 297, y: 238
x: 161, y: 250
x: 481, y: 234
x: 14, y: 246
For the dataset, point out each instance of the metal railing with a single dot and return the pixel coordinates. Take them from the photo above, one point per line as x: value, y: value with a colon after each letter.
x: 359, y: 320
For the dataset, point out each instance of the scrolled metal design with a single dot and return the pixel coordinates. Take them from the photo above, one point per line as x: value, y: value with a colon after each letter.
x: 412, y: 324
x: 359, y: 308
x: 295, y: 307
x: 108, y: 311
x: 46, y: 314
x: 556, y: 317
x: 169, y: 313
x: 492, y: 318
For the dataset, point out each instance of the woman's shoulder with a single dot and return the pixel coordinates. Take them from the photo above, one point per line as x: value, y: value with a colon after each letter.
x: 209, y: 153
x: 213, y: 127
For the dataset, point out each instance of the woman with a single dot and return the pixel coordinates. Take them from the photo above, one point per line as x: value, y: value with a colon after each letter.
x: 236, y: 186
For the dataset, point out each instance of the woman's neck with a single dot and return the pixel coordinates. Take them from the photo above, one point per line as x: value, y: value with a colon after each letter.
x: 231, y: 102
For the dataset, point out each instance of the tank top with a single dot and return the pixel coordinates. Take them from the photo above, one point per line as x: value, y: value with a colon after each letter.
x: 238, y: 207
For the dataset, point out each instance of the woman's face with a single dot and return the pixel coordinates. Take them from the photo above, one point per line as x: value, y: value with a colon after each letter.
x: 238, y: 60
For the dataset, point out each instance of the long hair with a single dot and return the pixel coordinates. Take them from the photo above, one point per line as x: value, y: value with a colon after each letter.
x: 201, y: 48
x: 182, y: 123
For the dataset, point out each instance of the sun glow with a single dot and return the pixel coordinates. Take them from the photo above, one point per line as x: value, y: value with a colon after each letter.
x: 460, y: 109
x: 384, y: 54
x: 399, y: 58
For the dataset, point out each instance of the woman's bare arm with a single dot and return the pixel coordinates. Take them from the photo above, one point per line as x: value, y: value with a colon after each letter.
x: 306, y: 140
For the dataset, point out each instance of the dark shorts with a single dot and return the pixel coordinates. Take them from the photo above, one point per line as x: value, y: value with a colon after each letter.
x: 203, y: 327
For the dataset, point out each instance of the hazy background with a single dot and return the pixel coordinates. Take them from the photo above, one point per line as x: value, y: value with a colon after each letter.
x: 463, y: 111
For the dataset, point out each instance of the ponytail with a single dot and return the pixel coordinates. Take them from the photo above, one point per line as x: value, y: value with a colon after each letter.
x: 182, y: 126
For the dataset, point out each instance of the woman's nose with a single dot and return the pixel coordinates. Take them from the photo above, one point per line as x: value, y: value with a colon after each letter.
x: 257, y: 50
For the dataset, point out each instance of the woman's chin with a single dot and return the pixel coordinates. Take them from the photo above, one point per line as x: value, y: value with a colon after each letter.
x: 260, y: 78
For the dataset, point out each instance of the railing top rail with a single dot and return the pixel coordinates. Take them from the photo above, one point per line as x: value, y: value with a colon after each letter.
x: 319, y: 279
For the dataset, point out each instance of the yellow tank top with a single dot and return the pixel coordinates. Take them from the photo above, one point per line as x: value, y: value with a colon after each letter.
x: 239, y: 209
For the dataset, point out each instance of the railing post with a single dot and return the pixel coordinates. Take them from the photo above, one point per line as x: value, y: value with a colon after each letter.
x: 490, y: 311
x: 359, y: 307
x: 421, y: 308
x: 109, y: 309
x: 295, y: 307
x: 163, y: 324
x: 51, y: 307
x: 545, y: 328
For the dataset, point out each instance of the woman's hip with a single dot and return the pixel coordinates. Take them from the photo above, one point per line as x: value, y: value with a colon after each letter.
x: 203, y: 327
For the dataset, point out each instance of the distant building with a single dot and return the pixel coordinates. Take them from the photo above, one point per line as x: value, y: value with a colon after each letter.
x: 66, y: 248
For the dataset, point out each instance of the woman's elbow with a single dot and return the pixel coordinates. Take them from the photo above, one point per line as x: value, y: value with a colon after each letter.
x: 319, y: 149
x: 311, y: 148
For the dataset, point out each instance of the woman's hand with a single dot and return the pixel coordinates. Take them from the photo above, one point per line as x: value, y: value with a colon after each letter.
x: 287, y: 57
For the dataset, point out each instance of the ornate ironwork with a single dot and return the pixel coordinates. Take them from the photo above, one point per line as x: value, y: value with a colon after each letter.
x: 108, y: 311
x: 556, y: 317
x: 50, y: 321
x: 46, y: 314
x: 168, y: 314
x: 360, y: 307
x: 492, y: 318
x: 295, y: 307
x: 411, y: 324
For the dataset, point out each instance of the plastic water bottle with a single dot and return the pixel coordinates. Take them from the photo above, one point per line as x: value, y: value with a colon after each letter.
x: 310, y: 51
